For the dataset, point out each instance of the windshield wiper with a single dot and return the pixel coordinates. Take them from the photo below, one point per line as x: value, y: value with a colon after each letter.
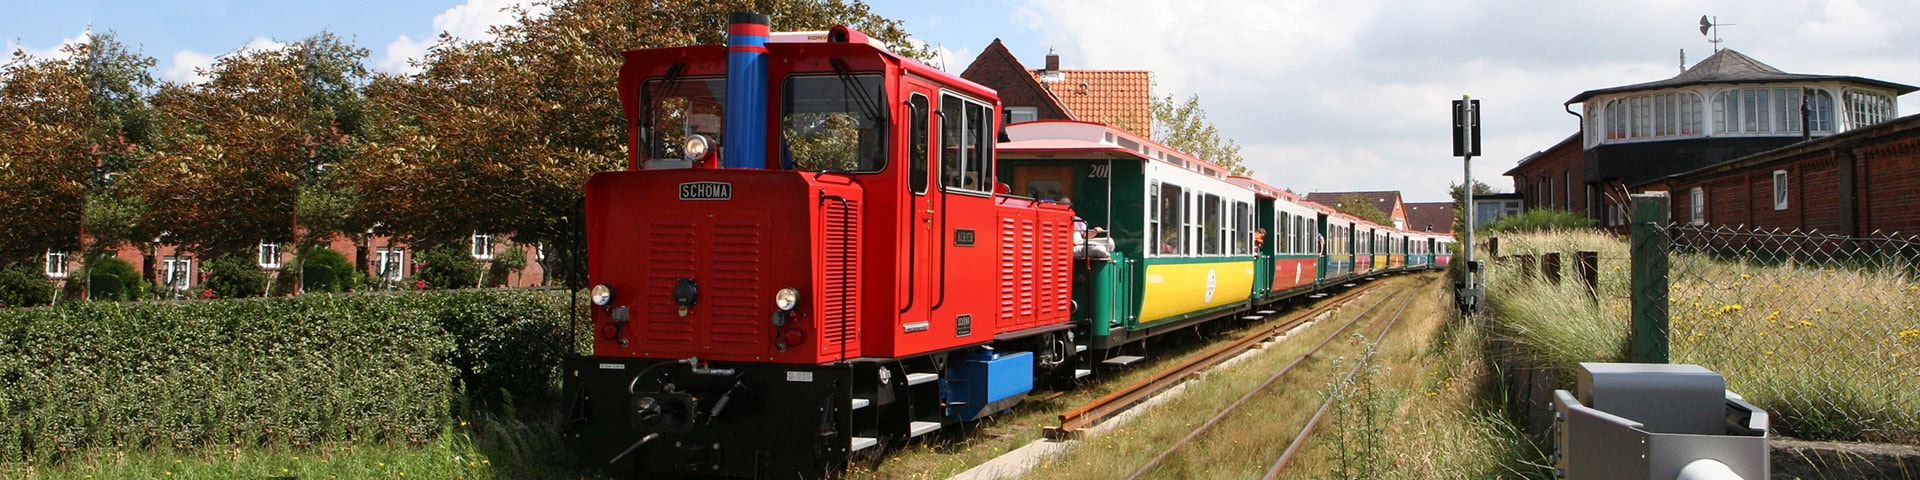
x: 868, y: 105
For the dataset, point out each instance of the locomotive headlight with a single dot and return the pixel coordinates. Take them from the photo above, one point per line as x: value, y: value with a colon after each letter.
x: 697, y: 147
x: 786, y: 299
x: 601, y: 295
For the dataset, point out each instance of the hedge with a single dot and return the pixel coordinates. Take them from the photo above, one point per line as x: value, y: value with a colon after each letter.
x: 371, y: 369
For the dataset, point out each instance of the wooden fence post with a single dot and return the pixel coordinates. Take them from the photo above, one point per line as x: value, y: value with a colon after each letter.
x: 1526, y: 265
x: 1550, y: 267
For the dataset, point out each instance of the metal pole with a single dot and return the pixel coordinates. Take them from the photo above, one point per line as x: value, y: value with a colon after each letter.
x: 1650, y: 244
x: 1466, y: 165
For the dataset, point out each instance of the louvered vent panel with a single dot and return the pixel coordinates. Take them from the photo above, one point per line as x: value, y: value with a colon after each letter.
x: 670, y: 257
x: 733, y: 285
x: 1060, y: 266
x: 1009, y: 266
x: 841, y: 300
x: 1029, y: 257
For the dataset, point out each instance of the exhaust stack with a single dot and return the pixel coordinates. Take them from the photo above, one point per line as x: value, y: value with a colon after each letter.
x: 746, y: 110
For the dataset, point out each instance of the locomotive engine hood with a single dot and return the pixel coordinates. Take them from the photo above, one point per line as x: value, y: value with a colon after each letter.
x: 701, y: 262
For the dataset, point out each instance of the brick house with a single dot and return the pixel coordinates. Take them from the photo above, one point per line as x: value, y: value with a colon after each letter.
x: 1720, y: 111
x: 1856, y: 183
x: 1388, y: 202
x: 1122, y: 98
x: 376, y: 256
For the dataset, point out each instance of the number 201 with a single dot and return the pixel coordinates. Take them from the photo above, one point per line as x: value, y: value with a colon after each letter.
x: 1100, y: 171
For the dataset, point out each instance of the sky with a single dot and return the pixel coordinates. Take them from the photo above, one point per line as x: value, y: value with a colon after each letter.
x: 1322, y: 95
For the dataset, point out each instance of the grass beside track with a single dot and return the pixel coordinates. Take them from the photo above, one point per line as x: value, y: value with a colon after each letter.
x: 951, y: 452
x: 1425, y: 354
x: 1427, y: 405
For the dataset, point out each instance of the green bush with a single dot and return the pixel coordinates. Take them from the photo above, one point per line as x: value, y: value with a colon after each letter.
x: 326, y: 270
x: 1539, y: 220
x: 378, y: 369
x: 235, y: 276
x: 508, y: 261
x: 112, y: 279
x: 24, y: 284
x: 448, y: 266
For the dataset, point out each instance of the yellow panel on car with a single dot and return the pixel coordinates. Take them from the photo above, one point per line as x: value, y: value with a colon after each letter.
x: 1175, y: 289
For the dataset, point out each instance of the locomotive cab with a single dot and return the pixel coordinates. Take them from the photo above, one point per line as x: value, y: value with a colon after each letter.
x: 805, y: 259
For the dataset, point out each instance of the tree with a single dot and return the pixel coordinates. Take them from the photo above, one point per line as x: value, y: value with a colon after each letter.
x: 1459, y: 202
x: 231, y: 152
x: 1359, y: 206
x: 45, y: 114
x: 501, y: 136
x: 1184, y: 126
x: 121, y: 138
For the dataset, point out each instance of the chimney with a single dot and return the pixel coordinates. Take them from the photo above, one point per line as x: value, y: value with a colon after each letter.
x: 1053, y: 60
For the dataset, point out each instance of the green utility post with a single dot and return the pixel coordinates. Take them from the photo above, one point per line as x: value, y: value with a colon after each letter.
x: 1650, y: 246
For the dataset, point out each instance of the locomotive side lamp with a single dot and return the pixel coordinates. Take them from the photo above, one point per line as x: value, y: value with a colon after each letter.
x: 601, y: 295
x: 786, y: 299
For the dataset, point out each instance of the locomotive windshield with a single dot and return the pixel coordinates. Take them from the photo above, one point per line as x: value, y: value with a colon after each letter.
x: 833, y: 123
x: 678, y: 107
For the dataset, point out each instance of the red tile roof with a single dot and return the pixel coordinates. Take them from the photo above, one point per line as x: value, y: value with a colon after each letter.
x: 1122, y: 98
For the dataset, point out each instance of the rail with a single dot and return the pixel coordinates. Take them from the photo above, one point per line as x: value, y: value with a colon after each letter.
x: 1073, y: 421
x: 1282, y: 372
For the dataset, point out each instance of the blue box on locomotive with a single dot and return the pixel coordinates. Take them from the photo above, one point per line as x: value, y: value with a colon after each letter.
x: 985, y: 382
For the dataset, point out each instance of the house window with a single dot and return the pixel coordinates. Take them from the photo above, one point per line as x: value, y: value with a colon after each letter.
x: 1868, y: 108
x: 1769, y: 110
x: 1653, y: 116
x: 390, y: 263
x: 482, y: 246
x: 1779, y: 189
x: 176, y: 271
x: 270, y: 256
x: 56, y: 264
x: 1022, y: 114
x: 1697, y: 215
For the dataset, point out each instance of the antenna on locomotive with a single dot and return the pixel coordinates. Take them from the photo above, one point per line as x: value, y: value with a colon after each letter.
x: 746, y: 107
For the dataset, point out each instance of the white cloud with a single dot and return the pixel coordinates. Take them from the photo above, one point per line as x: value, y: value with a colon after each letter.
x: 402, y: 53
x: 1352, y: 94
x: 468, y: 21
x: 188, y: 67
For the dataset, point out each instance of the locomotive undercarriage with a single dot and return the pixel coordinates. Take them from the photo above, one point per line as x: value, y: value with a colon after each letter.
x: 688, y: 418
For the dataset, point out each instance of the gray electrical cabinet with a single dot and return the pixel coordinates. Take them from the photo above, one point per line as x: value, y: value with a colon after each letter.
x: 1656, y: 421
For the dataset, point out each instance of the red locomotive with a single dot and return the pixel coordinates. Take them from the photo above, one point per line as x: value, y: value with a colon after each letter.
x: 807, y: 258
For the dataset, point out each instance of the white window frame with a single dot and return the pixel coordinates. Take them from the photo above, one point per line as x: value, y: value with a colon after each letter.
x: 177, y: 267
x: 1697, y: 206
x: 56, y: 267
x: 481, y: 247
x: 1022, y: 114
x: 390, y: 261
x: 269, y: 256
x: 1780, y: 192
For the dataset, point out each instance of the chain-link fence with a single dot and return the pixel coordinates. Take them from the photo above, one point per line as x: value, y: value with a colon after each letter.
x: 1820, y: 330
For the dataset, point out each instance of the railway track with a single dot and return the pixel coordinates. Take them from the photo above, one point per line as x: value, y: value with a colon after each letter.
x: 1073, y: 422
x: 1273, y: 469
